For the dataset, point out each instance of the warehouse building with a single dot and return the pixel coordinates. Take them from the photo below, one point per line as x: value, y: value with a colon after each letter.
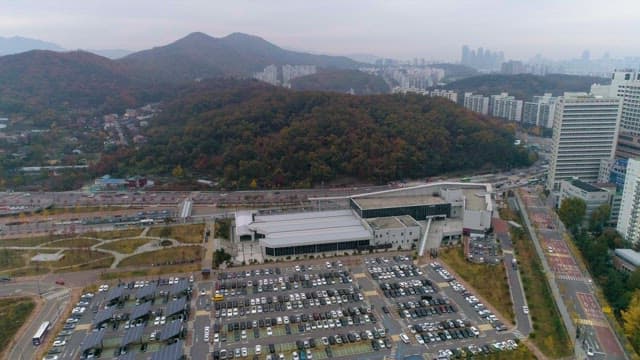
x: 397, y: 218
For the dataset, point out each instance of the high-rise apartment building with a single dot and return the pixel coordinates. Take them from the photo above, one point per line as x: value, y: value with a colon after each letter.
x: 585, y: 130
x: 506, y: 107
x: 447, y: 94
x: 629, y: 217
x: 625, y: 84
x: 476, y: 103
x: 539, y: 112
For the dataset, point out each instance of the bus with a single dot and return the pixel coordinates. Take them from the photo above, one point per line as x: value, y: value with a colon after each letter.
x: 218, y: 297
x: 38, y: 338
x: 147, y: 222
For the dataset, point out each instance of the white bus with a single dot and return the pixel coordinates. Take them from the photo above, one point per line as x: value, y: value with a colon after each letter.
x: 147, y: 222
x: 38, y: 338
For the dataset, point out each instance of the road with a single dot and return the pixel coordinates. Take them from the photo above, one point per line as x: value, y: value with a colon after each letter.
x: 54, y: 301
x: 572, y: 288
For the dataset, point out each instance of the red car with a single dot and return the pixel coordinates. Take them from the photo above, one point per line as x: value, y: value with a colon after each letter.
x: 59, y: 282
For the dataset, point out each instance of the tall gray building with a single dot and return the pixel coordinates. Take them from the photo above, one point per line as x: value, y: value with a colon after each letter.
x: 585, y: 130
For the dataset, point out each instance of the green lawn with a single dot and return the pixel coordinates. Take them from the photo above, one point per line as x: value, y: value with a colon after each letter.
x: 73, y: 243
x: 163, y: 257
x: 489, y: 280
x: 116, y: 234
x: 13, y: 312
x: 188, y: 234
x: 125, y: 246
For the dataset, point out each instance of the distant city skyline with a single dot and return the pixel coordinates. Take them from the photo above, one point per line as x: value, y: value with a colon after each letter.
x: 402, y: 29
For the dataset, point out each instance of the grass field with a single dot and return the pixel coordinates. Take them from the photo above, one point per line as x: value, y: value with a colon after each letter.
x: 77, y: 257
x: 490, y: 281
x: 97, y: 263
x: 116, y: 234
x: 154, y: 271
x: 188, y: 234
x: 549, y: 333
x: 73, y: 243
x: 29, y: 241
x: 13, y: 312
x: 169, y: 256
x: 126, y: 246
x: 521, y: 353
x: 11, y: 259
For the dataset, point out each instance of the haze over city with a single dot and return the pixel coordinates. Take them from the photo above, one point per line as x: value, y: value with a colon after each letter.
x: 398, y: 29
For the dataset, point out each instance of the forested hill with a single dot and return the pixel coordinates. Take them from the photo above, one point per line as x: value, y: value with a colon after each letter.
x: 342, y: 81
x: 524, y: 86
x: 238, y: 131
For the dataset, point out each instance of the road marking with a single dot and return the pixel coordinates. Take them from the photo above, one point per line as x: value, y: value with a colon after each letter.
x: 359, y: 275
x: 202, y: 313
x: 507, y: 251
x: 443, y: 284
x: 485, y: 327
x: 83, y: 327
x: 591, y: 322
x: 370, y: 293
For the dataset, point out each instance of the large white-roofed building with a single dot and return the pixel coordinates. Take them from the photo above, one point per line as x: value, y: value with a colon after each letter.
x: 310, y: 233
x: 384, y: 219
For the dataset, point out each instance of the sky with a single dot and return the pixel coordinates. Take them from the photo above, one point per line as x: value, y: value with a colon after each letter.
x: 401, y: 29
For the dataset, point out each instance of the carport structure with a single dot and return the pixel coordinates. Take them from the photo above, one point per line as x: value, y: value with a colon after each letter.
x: 132, y: 336
x: 140, y: 311
x: 176, y: 307
x: 147, y: 293
x: 103, y: 316
x: 114, y: 295
x: 179, y: 288
x: 171, y: 330
x: 174, y: 351
x: 93, y: 341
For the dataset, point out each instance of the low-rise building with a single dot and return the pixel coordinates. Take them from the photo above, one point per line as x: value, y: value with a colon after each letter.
x: 626, y: 260
x: 592, y: 195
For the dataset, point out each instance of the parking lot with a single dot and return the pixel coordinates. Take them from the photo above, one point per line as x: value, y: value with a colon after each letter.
x: 127, y: 321
x: 297, y: 312
x: 369, y: 307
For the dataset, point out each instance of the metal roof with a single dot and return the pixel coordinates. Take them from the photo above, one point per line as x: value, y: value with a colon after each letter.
x: 170, y: 330
x: 179, y: 287
x: 140, y: 310
x: 134, y: 334
x: 146, y: 291
x: 629, y: 255
x: 93, y: 340
x: 310, y: 228
x: 114, y: 293
x: 102, y: 316
x: 127, y: 356
x: 175, y: 306
x: 174, y: 351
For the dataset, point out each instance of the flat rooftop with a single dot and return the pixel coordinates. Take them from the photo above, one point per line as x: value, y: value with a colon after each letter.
x: 397, y: 201
x: 392, y: 222
x: 476, y: 199
x: 585, y: 186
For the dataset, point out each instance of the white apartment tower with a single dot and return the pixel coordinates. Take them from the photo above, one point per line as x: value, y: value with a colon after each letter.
x: 506, y: 107
x: 476, y: 103
x: 540, y: 111
x: 625, y: 84
x: 629, y: 217
x: 585, y: 129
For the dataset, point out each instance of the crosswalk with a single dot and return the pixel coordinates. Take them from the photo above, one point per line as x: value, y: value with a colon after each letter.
x: 571, y: 278
x: 518, y: 334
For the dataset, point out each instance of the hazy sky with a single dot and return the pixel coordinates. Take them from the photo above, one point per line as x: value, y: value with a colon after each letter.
x: 392, y: 28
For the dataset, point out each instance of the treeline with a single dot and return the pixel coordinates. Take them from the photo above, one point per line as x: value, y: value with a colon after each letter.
x: 248, y: 134
x: 342, y: 81
x: 524, y: 86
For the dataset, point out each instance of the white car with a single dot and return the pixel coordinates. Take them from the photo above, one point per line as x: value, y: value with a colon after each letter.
x: 419, y: 339
x: 258, y: 349
x: 59, y: 343
x: 404, y: 338
x: 216, y: 337
x: 269, y: 331
x: 203, y: 292
x: 525, y: 309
